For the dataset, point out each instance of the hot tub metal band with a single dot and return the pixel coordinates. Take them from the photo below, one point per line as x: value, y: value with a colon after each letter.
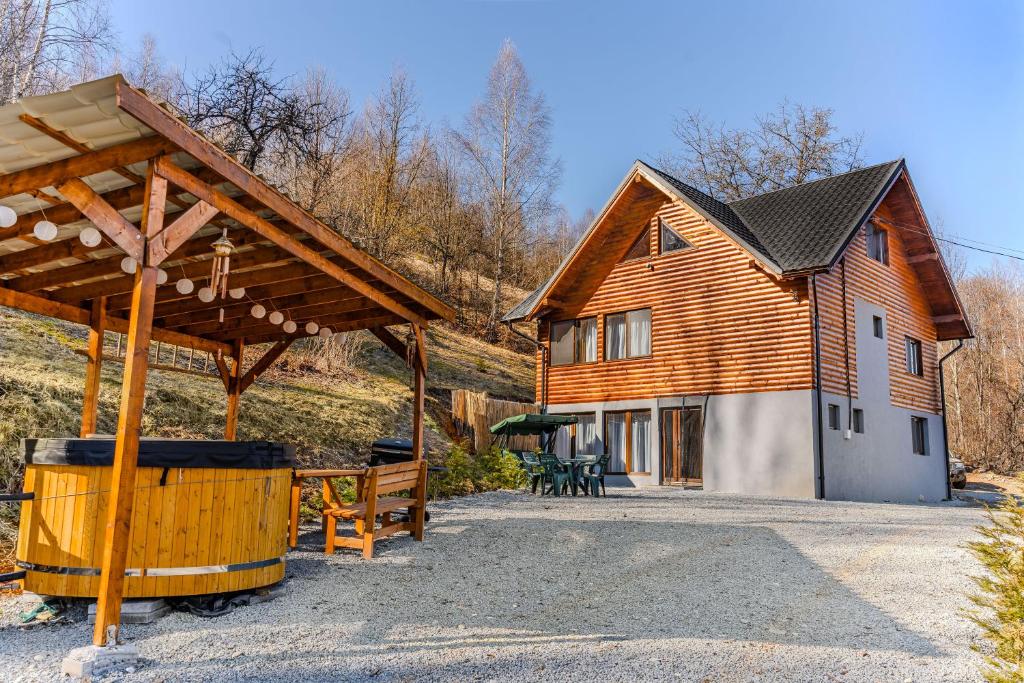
x: 156, y: 571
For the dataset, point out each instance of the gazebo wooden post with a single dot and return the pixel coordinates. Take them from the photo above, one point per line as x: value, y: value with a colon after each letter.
x: 234, y: 387
x: 419, y: 369
x: 129, y: 423
x: 90, y: 402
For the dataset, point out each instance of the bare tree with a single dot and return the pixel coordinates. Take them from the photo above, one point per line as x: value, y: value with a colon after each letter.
x: 506, y: 139
x: 256, y: 116
x: 792, y: 145
x: 47, y: 45
x: 389, y: 154
x: 145, y: 68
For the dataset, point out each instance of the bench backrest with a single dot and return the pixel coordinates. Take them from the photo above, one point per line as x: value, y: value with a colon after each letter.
x: 385, y: 479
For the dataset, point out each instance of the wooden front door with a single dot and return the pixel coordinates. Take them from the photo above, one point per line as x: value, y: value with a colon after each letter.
x: 682, y: 446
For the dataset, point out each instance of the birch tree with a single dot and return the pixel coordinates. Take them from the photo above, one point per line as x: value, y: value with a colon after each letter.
x: 48, y: 45
x: 506, y: 140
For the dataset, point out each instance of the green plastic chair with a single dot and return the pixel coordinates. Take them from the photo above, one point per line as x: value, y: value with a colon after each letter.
x: 531, y: 466
x: 593, y: 475
x: 555, y: 473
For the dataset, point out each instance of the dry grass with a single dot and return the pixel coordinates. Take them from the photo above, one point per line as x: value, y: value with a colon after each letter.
x: 330, y: 412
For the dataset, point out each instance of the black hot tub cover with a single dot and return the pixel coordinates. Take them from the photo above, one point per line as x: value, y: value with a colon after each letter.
x: 162, y: 453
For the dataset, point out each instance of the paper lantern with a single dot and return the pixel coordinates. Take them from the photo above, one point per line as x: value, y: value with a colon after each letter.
x: 161, y: 276
x: 206, y: 295
x: 325, y: 332
x: 90, y: 237
x: 276, y: 318
x: 237, y: 292
x: 45, y: 230
x: 258, y: 311
x: 311, y: 327
x: 7, y: 216
x: 128, y: 265
x: 290, y: 326
x: 184, y: 286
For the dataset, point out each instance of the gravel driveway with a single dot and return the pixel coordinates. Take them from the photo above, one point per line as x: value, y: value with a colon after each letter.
x: 652, y: 584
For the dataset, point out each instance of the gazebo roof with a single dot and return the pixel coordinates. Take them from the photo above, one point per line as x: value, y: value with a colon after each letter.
x: 532, y: 424
x: 79, y: 158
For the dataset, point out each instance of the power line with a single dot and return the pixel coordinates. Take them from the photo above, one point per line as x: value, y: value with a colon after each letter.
x: 957, y: 242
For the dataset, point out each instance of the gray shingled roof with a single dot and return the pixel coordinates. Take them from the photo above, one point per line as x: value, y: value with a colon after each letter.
x: 797, y: 229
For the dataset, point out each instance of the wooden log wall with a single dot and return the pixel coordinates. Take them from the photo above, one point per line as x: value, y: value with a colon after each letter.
x: 897, y: 289
x: 719, y: 323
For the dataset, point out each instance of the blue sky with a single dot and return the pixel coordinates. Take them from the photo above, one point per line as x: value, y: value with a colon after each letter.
x: 940, y: 83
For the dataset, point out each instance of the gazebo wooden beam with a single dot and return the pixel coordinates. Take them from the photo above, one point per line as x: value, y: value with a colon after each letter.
x: 264, y: 363
x: 129, y: 426
x: 56, y: 309
x: 419, y: 371
x: 177, y: 233
x: 284, y: 294
x: 142, y: 108
x: 234, y: 392
x: 233, y: 209
x: 263, y: 329
x: 278, y: 334
x: 94, y: 364
x: 54, y: 173
x: 340, y: 300
x: 324, y: 316
x: 105, y: 217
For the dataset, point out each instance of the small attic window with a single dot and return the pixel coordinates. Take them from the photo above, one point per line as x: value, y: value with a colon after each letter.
x: 641, y: 248
x: 670, y: 240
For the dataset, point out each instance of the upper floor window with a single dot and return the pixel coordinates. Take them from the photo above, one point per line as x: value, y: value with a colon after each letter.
x: 627, y: 335
x: 669, y: 239
x: 878, y: 243
x: 913, y: 353
x: 641, y: 248
x: 574, y: 341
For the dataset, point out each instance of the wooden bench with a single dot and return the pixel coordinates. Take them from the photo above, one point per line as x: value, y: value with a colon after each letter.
x: 373, y: 501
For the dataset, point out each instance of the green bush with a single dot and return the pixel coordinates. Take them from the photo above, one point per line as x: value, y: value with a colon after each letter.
x: 488, y: 471
x: 1000, y: 604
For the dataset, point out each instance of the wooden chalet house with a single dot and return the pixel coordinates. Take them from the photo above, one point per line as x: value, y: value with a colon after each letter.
x: 783, y: 344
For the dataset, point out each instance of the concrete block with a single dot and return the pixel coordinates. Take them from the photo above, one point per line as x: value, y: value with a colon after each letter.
x: 92, y: 661
x: 137, y: 611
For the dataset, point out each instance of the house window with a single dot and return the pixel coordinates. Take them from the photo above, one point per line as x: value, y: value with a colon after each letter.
x: 858, y: 420
x: 627, y: 335
x: 913, y: 353
x: 833, y: 416
x: 669, y: 239
x: 627, y: 437
x: 878, y: 243
x: 641, y: 248
x: 577, y: 439
x: 574, y: 341
x: 878, y: 326
x: 919, y: 434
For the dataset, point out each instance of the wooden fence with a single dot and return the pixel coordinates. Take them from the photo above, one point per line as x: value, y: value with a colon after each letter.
x: 473, y: 414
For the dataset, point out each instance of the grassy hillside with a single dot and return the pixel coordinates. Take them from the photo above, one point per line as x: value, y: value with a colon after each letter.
x: 330, y: 411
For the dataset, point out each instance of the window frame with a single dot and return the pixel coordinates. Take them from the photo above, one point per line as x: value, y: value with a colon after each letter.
x: 878, y: 326
x: 919, y: 424
x: 913, y: 356
x: 626, y: 258
x: 625, y: 328
x: 627, y: 458
x: 858, y: 421
x: 575, y: 341
x: 664, y: 225
x: 574, y: 429
x: 834, y: 418
x: 874, y: 243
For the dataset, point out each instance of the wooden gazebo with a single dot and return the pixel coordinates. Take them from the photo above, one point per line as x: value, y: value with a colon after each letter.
x: 105, y: 156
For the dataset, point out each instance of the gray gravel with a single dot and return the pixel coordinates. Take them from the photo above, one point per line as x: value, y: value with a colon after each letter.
x: 655, y: 584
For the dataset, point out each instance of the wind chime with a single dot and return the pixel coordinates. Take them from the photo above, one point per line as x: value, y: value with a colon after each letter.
x: 222, y: 249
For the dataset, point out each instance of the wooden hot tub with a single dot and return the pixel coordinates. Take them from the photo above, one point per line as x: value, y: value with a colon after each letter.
x: 208, y: 516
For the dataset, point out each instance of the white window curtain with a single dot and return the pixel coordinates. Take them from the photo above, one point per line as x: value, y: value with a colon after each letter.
x: 615, y: 428
x: 588, y: 340
x: 640, y: 441
x: 615, y: 336
x: 586, y: 435
x: 639, y: 323
x: 563, y: 442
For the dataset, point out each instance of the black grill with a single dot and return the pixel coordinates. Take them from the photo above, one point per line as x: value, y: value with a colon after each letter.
x: 390, y: 451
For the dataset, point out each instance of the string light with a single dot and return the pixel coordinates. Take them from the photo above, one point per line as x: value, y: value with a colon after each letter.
x: 184, y: 286
x: 258, y: 311
x: 161, y: 276
x: 90, y: 237
x: 276, y: 318
x: 7, y: 216
x: 128, y: 265
x: 45, y: 230
x: 325, y: 332
x: 290, y: 326
x: 311, y: 327
x: 237, y: 292
x: 206, y: 295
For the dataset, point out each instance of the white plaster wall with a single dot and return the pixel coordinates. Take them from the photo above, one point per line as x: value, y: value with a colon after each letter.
x: 880, y: 465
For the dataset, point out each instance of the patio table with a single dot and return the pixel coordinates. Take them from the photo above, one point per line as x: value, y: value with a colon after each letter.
x: 577, y: 464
